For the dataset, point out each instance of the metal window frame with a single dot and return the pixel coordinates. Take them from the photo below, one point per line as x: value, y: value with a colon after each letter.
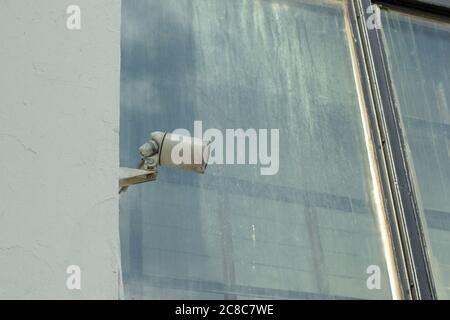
x: 403, y: 212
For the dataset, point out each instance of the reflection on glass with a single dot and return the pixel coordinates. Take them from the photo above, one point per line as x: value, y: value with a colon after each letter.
x: 419, y: 57
x: 308, y: 232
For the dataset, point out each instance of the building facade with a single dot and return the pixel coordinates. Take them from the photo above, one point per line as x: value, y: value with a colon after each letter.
x: 358, y: 205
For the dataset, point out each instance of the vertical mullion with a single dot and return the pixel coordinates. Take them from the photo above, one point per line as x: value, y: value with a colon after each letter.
x: 403, y: 210
x: 392, y: 246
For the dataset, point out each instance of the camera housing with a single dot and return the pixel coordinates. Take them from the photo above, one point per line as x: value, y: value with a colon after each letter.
x: 176, y: 151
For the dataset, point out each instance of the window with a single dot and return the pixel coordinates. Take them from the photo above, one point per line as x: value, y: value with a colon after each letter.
x: 312, y: 230
x: 418, y: 51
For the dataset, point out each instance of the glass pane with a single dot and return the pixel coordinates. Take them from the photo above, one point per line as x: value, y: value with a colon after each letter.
x: 309, y: 231
x: 419, y: 57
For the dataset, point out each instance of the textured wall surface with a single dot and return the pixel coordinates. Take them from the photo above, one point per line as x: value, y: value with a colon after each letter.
x: 59, y: 149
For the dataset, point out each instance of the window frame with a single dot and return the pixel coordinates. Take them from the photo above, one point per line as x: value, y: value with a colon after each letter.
x: 401, y: 200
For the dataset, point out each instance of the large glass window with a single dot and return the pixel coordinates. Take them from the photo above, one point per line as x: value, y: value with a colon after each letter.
x: 419, y: 59
x: 310, y: 231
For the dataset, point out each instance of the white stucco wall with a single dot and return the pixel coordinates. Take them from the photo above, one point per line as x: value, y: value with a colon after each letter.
x: 59, y: 149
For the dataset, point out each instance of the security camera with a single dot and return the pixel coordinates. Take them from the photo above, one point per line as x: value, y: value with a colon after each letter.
x: 176, y: 151
x: 166, y: 150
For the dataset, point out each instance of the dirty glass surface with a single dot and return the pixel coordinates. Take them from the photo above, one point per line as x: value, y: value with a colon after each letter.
x: 419, y: 57
x: 309, y: 231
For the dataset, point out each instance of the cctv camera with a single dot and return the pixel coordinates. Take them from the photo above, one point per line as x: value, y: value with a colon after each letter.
x: 167, y: 150
x: 176, y: 151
